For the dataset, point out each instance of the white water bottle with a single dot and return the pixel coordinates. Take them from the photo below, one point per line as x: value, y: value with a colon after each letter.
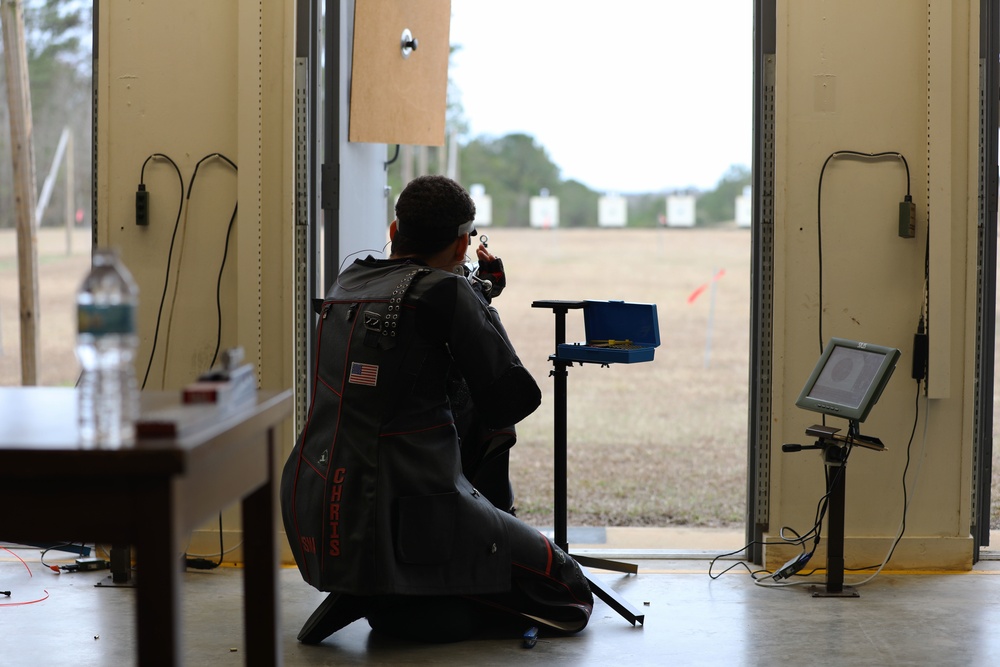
x: 106, y: 342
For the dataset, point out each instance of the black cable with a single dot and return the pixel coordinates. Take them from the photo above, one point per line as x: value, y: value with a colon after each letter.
x: 736, y: 564
x: 194, y: 174
x: 395, y: 156
x: 819, y: 213
x: 813, y: 533
x: 902, y: 529
x: 201, y: 563
x: 166, y: 282
x: 57, y: 547
x: 170, y: 254
x: 222, y: 550
x: 819, y: 234
x: 218, y: 290
x: 885, y: 154
x: 225, y: 253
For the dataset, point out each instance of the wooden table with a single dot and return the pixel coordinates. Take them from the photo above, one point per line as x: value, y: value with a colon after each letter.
x: 150, y: 495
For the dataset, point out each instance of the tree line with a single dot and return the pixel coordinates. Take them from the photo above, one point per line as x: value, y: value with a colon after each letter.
x: 512, y: 168
x: 57, y: 36
x: 515, y: 167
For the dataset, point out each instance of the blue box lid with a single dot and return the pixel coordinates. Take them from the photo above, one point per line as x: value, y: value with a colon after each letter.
x: 621, y: 320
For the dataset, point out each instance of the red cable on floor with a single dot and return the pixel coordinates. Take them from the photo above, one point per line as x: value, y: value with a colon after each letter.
x: 18, y: 604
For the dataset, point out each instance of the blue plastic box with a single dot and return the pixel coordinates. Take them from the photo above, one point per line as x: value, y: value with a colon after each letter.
x: 617, y: 332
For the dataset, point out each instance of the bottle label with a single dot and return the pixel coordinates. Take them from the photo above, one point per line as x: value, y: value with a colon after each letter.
x: 107, y: 319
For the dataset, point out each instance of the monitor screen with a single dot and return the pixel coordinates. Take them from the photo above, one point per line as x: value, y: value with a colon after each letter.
x: 848, y: 379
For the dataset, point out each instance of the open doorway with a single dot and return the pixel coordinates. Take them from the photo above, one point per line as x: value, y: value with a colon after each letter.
x: 635, y: 104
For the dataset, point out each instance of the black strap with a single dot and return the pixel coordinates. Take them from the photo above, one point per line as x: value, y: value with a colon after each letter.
x: 382, y: 324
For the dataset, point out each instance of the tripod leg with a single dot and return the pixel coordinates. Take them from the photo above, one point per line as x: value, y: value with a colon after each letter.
x: 619, y: 604
x: 600, y: 563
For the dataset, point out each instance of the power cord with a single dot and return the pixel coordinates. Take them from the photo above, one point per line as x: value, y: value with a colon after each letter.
x: 218, y: 288
x: 142, y: 212
x: 170, y: 252
x: 225, y: 251
x: 907, y: 498
x: 30, y: 575
x: 794, y: 565
x: 819, y: 211
x: 199, y: 563
x: 79, y: 565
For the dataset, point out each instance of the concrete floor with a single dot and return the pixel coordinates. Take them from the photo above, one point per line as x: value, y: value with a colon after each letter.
x: 691, y: 619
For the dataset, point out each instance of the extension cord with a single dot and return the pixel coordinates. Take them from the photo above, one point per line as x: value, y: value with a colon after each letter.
x: 792, y: 566
x: 142, y: 206
x: 87, y: 564
x: 200, y: 564
x: 81, y: 565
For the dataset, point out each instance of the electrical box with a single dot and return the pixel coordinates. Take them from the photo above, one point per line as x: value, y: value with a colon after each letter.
x: 617, y: 332
x: 907, y: 219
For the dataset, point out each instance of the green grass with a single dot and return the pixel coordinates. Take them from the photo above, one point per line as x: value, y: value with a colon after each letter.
x: 651, y: 444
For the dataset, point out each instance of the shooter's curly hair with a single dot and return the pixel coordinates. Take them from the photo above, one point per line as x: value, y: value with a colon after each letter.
x: 428, y: 211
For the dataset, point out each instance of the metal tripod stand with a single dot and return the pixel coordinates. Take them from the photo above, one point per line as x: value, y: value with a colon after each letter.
x: 835, y: 450
x: 559, y: 374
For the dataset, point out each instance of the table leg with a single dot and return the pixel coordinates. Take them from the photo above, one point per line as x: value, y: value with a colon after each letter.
x: 260, y: 580
x: 158, y: 589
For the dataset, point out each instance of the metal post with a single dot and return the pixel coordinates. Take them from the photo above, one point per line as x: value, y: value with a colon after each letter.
x: 560, y: 472
x: 834, y: 458
x: 70, y: 195
x: 835, y: 532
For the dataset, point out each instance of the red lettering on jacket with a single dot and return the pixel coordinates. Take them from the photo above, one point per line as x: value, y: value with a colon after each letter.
x: 336, y: 492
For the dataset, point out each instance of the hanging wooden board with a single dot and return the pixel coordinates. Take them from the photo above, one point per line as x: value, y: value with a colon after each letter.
x: 399, y: 93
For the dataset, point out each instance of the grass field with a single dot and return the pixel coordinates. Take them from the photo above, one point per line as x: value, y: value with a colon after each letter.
x: 658, y: 443
x: 650, y: 444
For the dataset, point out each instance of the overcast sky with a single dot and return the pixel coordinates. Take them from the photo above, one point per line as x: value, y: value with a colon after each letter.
x: 627, y: 96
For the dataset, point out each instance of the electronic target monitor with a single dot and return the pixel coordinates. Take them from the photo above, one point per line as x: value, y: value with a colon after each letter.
x: 848, y: 379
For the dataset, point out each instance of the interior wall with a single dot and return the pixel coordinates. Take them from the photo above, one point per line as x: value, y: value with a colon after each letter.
x: 362, y: 174
x: 854, y: 75
x: 187, y: 79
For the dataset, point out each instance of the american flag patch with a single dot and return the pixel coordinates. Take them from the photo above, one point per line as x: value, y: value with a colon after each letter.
x: 363, y: 374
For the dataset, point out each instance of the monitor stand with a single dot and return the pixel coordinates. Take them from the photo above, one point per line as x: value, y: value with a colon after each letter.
x: 559, y: 374
x: 835, y: 450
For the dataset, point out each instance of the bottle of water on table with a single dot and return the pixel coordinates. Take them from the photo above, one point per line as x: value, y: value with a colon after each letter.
x: 106, y: 342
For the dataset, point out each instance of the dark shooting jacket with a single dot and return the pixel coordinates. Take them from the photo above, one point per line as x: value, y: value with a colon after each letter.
x: 373, y: 496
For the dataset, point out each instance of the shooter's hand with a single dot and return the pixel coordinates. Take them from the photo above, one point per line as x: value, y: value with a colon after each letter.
x: 484, y: 254
x: 491, y: 268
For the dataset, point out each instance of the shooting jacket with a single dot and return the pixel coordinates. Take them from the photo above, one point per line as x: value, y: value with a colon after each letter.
x: 373, y: 496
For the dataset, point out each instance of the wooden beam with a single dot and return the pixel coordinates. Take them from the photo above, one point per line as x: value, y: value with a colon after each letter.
x: 22, y: 156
